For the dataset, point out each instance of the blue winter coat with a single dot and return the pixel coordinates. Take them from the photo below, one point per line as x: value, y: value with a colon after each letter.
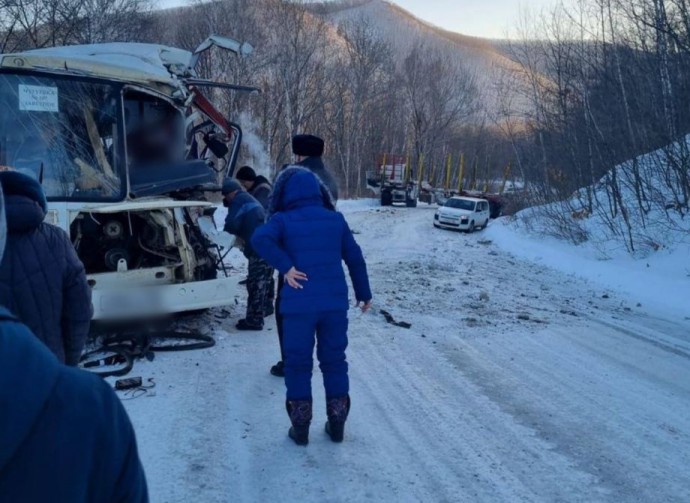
x: 64, y: 435
x: 315, y: 240
x: 245, y: 215
x: 42, y: 281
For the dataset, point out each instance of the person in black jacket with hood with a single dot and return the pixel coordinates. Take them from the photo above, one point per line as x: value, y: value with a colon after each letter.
x: 64, y: 435
x: 308, y: 149
x: 42, y: 281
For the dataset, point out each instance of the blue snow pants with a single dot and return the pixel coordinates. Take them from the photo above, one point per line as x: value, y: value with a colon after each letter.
x: 330, y: 329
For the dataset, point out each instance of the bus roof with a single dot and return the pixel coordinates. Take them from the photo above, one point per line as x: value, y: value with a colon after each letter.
x: 147, y: 64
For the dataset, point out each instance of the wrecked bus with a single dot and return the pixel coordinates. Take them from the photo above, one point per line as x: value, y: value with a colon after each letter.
x: 126, y: 149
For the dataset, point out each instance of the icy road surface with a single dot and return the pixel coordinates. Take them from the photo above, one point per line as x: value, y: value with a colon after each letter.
x: 514, y: 383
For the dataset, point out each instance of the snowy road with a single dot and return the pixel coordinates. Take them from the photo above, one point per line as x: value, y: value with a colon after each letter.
x: 513, y: 384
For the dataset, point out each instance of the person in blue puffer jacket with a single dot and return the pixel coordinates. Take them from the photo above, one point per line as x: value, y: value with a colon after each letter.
x: 307, y: 241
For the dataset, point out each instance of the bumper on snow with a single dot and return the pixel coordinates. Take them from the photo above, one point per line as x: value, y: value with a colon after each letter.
x: 119, y: 303
x: 461, y: 225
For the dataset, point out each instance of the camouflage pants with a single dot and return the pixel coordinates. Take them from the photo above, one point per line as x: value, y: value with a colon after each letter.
x: 258, y: 289
x: 270, y: 296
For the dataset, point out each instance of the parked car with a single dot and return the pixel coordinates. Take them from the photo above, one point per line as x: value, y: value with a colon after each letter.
x: 463, y: 213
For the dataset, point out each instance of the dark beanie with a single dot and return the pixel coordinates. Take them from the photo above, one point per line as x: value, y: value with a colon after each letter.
x: 246, y: 173
x: 230, y: 185
x: 17, y: 183
x: 307, y: 145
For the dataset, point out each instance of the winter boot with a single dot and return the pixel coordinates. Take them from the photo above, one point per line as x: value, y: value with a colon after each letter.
x: 299, y: 412
x: 245, y: 324
x: 278, y: 369
x: 337, y: 410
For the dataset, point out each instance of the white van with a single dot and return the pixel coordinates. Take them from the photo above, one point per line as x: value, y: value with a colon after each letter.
x: 463, y: 213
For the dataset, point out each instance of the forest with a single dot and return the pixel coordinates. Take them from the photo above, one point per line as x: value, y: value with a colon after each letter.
x: 590, y: 85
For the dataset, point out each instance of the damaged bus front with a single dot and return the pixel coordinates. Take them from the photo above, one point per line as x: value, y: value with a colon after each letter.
x: 126, y: 147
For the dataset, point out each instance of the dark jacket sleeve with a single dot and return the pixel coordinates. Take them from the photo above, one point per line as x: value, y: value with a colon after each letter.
x: 117, y: 473
x: 232, y: 221
x: 76, y: 308
x: 266, y: 242
x: 352, y: 255
x: 131, y: 485
x: 329, y: 181
x: 262, y: 194
x: 245, y: 214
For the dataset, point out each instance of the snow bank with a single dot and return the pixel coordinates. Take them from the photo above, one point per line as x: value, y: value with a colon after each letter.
x: 660, y: 281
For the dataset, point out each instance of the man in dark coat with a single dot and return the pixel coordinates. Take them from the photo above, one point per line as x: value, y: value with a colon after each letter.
x: 258, y: 186
x: 42, y: 281
x: 308, y: 149
x: 307, y: 242
x: 64, y: 435
x: 245, y: 215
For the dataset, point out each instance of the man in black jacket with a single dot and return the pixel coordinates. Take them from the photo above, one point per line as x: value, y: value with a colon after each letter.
x: 64, y: 435
x: 258, y: 186
x: 42, y: 281
x: 308, y: 149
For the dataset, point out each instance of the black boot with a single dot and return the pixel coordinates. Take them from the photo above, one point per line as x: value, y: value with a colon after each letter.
x: 278, y: 369
x: 299, y: 412
x: 245, y: 324
x: 337, y: 410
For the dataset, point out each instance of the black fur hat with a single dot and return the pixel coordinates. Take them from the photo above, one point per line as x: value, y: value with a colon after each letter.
x: 307, y: 145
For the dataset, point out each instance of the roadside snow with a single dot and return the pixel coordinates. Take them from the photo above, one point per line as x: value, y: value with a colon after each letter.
x: 529, y: 374
x: 660, y: 281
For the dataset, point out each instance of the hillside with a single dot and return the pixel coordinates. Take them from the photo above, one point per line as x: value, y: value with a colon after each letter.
x: 487, y: 59
x: 302, y: 63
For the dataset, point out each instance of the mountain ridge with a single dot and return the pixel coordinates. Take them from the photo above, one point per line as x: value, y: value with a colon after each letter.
x: 486, y: 58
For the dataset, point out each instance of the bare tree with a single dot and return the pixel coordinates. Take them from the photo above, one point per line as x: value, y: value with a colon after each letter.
x: 110, y: 20
x: 440, y: 95
x: 30, y: 24
x: 362, y: 76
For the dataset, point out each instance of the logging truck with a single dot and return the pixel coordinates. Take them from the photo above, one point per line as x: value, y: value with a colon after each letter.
x: 393, y: 182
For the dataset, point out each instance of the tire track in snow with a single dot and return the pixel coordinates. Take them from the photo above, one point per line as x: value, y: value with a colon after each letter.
x: 596, y: 406
x: 677, y: 346
x: 465, y: 448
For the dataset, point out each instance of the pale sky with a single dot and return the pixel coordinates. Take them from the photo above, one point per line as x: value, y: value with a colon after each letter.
x: 479, y: 18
